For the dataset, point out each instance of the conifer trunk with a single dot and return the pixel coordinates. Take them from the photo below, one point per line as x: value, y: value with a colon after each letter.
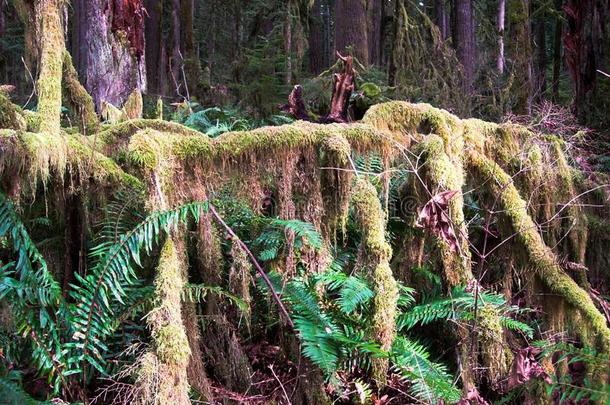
x: 463, y: 40
x: 116, y: 58
x: 351, y: 29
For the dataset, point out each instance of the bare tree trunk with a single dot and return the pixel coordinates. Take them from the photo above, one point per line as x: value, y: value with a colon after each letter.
x: 288, y: 41
x: 584, y: 49
x: 500, y: 25
x: 116, y: 56
x: 375, y: 17
x: 521, y: 54
x: 540, y: 54
x: 351, y: 29
x: 176, y: 59
x: 557, y: 59
x: 463, y: 40
x: 153, y: 32
x: 440, y: 18
x: 316, y: 39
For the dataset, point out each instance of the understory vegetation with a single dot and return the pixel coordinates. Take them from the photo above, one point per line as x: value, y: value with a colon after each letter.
x: 217, y: 246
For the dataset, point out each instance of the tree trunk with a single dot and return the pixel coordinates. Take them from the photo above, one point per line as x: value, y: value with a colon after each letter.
x: 463, y: 40
x: 540, y: 62
x: 52, y: 45
x: 440, y: 18
x: 115, y: 57
x: 375, y: 17
x: 176, y: 58
x: 500, y: 26
x: 288, y: 41
x: 521, y: 53
x: 192, y: 65
x: 557, y: 51
x: 351, y: 29
x: 153, y: 33
x: 316, y: 39
x: 584, y: 48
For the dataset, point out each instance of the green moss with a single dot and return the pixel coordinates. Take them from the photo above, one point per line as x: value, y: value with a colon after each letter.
x: 374, y: 255
x: 51, y: 63
x: 77, y: 98
x: 134, y: 106
x: 10, y: 116
x: 172, y: 346
x: 541, y: 258
x: 443, y: 174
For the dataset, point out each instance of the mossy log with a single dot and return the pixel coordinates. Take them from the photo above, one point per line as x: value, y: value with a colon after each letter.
x: 186, y: 165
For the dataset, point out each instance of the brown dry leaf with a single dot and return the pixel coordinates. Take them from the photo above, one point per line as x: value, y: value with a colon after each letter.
x: 472, y: 398
x: 525, y: 367
x: 433, y: 216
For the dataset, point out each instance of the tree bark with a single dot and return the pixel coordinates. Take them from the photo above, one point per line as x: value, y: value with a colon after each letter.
x: 375, y: 17
x: 153, y: 34
x: 316, y: 39
x: 500, y: 26
x: 463, y: 40
x: 440, y: 18
x: 521, y: 53
x: 351, y: 29
x: 288, y: 41
x: 584, y: 48
x: 343, y: 86
x: 540, y: 57
x: 116, y: 56
x: 557, y: 59
x: 176, y: 60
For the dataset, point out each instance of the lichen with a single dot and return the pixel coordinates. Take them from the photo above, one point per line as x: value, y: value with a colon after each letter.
x: 10, y: 117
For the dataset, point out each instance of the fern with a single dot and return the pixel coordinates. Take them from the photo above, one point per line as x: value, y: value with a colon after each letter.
x: 34, y: 294
x: 198, y: 293
x: 461, y: 306
x: 272, y: 239
x: 12, y: 393
x: 92, y: 316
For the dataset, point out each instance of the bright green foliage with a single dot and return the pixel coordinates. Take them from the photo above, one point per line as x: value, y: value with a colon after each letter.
x: 461, y: 306
x: 331, y: 312
x: 106, y: 282
x: 31, y: 291
x: 272, y: 239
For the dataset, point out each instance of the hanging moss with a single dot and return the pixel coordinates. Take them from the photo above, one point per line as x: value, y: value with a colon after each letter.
x: 10, y: 117
x: 170, y: 343
x: 374, y: 256
x: 134, y: 106
x: 336, y: 181
x: 51, y: 65
x: 77, y: 98
x: 592, y: 329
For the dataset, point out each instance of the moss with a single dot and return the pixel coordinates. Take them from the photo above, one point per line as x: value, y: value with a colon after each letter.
x: 77, y: 98
x: 111, y: 114
x: 443, y: 174
x: 134, y: 106
x: 159, y: 109
x: 171, y: 345
x: 336, y: 182
x: 495, y: 352
x: 170, y: 341
x: 374, y: 255
x: 10, y: 117
x: 540, y: 257
x: 51, y: 63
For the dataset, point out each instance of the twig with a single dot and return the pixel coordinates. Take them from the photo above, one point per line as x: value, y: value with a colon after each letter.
x: 258, y: 267
x: 279, y: 382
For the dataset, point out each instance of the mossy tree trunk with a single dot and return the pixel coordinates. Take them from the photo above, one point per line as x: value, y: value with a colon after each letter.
x: 51, y: 62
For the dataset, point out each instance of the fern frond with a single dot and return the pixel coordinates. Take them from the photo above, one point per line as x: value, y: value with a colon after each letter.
x: 96, y: 293
x: 198, y: 293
